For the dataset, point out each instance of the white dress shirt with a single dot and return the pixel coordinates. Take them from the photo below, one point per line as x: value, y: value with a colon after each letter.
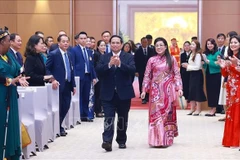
x: 196, y: 64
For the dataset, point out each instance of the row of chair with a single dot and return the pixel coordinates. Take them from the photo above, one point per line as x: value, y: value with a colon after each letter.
x: 39, y: 112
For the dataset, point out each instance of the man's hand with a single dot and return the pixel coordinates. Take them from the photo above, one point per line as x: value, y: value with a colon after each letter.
x: 94, y: 81
x: 112, y: 61
x: 74, y: 91
x: 118, y: 62
x: 55, y: 84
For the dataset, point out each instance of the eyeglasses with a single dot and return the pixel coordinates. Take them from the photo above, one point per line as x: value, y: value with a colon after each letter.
x: 161, y: 45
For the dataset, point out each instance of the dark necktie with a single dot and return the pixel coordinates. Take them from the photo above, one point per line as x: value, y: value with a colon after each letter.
x: 219, y: 49
x: 145, y: 51
x: 67, y: 64
x: 107, y: 48
x: 86, y: 59
x: 18, y: 57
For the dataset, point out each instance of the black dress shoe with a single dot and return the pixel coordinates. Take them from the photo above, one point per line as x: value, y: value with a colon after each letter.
x: 189, y: 114
x: 122, y: 146
x: 210, y: 115
x: 144, y: 102
x: 196, y: 114
x: 63, y: 134
x: 107, y: 146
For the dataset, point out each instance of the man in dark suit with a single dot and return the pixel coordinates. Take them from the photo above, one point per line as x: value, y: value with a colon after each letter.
x: 221, y: 38
x: 59, y: 65
x: 83, y: 67
x: 149, y: 39
x: 116, y: 70
x: 16, y: 44
x: 143, y: 53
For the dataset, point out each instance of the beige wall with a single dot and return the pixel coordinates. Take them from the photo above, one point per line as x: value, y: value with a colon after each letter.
x: 27, y: 16
x: 93, y: 17
x: 219, y: 16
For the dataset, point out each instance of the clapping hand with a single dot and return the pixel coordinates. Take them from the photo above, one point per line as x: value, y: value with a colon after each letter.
x: 234, y: 60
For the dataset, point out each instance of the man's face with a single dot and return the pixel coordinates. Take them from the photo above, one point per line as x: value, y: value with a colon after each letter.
x: 88, y: 43
x: 220, y: 41
x: 82, y: 39
x: 144, y: 43
x: 5, y: 44
x: 50, y: 42
x: 116, y: 44
x: 64, y: 43
x: 16, y: 43
x: 106, y: 37
x: 93, y: 43
x: 61, y: 33
x: 149, y: 41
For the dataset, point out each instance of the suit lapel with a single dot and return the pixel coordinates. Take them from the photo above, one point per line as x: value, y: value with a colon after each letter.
x: 60, y: 57
x: 81, y: 53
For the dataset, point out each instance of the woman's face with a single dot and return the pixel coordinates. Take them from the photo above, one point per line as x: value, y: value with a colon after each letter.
x: 210, y: 46
x: 126, y: 48
x: 193, y: 46
x: 186, y: 47
x: 40, y: 46
x: 102, y: 47
x: 6, y: 44
x: 234, y: 45
x: 160, y: 48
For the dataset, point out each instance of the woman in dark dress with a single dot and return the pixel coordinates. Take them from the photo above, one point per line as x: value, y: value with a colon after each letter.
x: 101, y: 48
x: 34, y: 64
x: 185, y: 75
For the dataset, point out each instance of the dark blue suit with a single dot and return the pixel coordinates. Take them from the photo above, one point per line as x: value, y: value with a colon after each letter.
x: 85, y: 78
x: 18, y: 58
x: 55, y: 66
x: 116, y: 93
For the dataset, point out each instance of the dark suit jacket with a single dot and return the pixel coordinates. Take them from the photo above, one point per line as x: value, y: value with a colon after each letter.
x: 79, y: 63
x: 184, y: 59
x: 35, y: 69
x: 96, y: 58
x: 141, y: 60
x: 19, y: 59
x: 115, y: 77
x: 222, y: 52
x: 55, y: 66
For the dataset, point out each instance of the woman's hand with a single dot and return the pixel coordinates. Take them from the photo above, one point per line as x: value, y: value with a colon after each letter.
x: 221, y: 63
x: 184, y: 65
x: 23, y: 81
x: 143, y: 95
x: 180, y: 93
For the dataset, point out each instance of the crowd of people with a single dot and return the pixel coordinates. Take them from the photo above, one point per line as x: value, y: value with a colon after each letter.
x: 108, y: 68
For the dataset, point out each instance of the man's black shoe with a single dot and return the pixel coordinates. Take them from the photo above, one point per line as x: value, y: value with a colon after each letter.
x: 122, y: 146
x: 107, y: 146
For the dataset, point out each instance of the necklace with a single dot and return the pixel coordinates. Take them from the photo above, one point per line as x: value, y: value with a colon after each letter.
x: 4, y: 57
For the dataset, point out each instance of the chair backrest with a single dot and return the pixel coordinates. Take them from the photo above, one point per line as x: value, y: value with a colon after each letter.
x: 39, y: 99
x: 77, y: 95
x: 49, y: 96
x: 26, y: 105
